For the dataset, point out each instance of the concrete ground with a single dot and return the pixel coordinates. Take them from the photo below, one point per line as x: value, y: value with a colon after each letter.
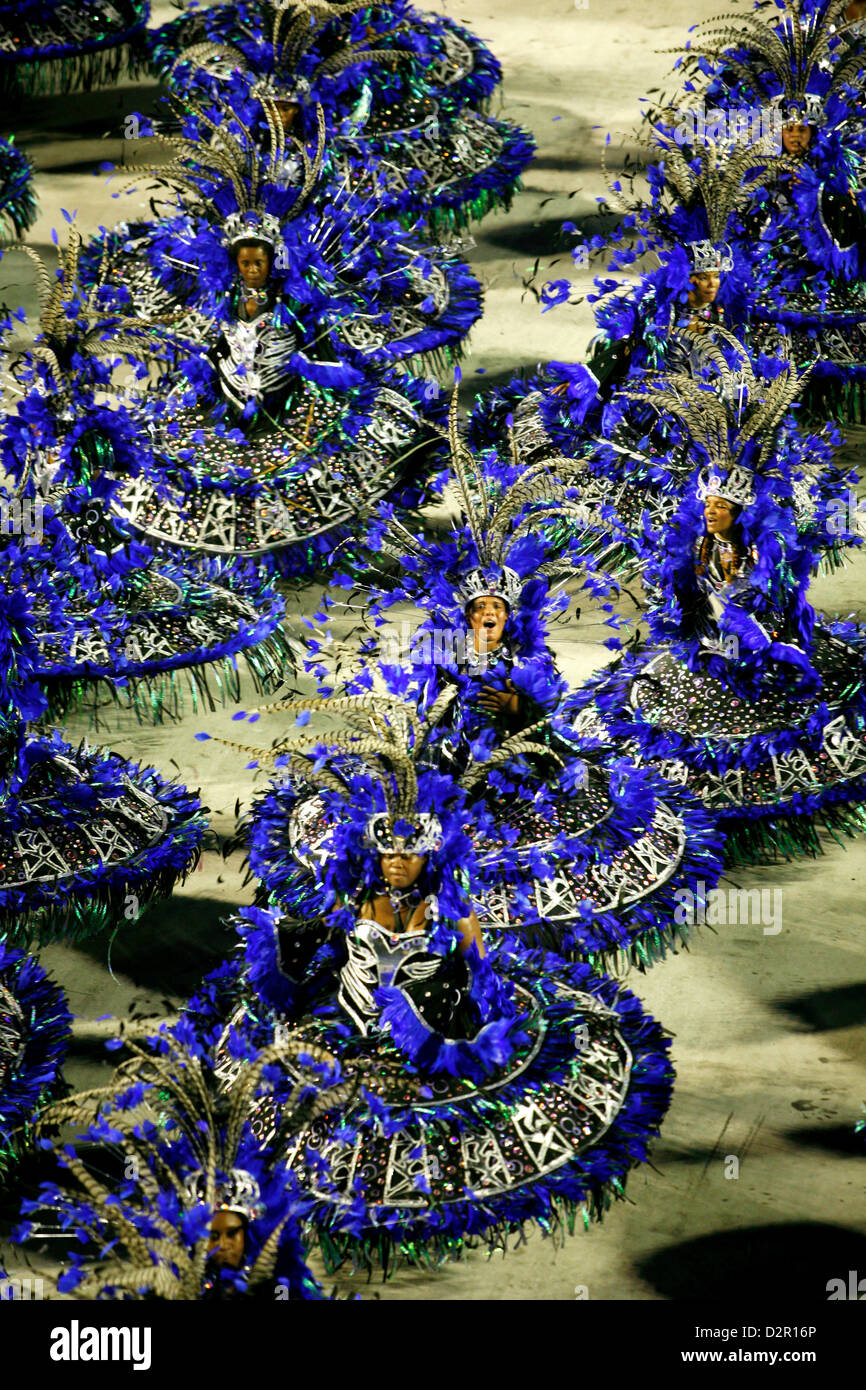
x: 756, y: 1184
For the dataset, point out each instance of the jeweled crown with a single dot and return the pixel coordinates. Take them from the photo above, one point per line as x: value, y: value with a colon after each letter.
x: 807, y: 109
x: 240, y: 1192
x: 420, y: 835
x: 241, y: 226
x: 502, y: 583
x: 737, y: 487
x: 283, y: 86
x: 708, y: 257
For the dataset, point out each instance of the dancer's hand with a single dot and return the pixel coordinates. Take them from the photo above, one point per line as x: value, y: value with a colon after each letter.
x: 505, y: 701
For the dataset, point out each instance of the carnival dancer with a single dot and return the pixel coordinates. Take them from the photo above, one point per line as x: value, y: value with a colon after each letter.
x: 636, y: 461
x: 179, y: 1198
x: 598, y: 851
x: 805, y: 236
x: 741, y: 693
x: 292, y: 319
x: 401, y: 91
x: 495, y: 1086
x: 132, y: 623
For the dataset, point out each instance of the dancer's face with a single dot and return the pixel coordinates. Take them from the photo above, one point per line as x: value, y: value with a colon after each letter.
x: 288, y: 114
x: 705, y: 288
x: 795, y: 139
x: 254, y: 265
x: 719, y: 515
x: 226, y: 1243
x: 487, y: 618
x: 401, y: 870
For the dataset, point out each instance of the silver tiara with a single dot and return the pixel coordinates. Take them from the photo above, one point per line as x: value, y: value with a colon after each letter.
x: 707, y: 256
x: 283, y: 87
x: 807, y: 109
x: 738, y: 487
x: 240, y: 1192
x: 502, y: 583
x: 424, y: 833
x: 243, y: 226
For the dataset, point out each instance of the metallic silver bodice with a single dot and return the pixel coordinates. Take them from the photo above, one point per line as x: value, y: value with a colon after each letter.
x: 378, y: 957
x: 257, y: 362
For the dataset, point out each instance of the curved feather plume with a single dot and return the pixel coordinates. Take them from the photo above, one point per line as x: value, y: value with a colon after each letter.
x: 786, y: 43
x: 233, y: 156
x: 68, y: 315
x: 180, y: 1097
x: 719, y: 422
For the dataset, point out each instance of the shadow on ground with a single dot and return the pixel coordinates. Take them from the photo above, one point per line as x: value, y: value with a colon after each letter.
x: 837, y: 1139
x: 51, y: 120
x: 827, y: 1009
x: 172, y: 947
x: 545, y: 237
x: 757, y: 1263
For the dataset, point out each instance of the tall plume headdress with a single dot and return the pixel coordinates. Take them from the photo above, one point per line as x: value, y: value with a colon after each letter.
x: 285, y: 70
x: 383, y: 743
x: 228, y: 158
x: 721, y: 185
x: 784, y: 56
x: 737, y: 429
x: 186, y: 1135
x: 78, y: 345
x: 518, y: 521
x: 73, y: 322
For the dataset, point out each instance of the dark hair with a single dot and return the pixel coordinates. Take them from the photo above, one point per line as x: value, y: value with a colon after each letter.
x: 735, y: 540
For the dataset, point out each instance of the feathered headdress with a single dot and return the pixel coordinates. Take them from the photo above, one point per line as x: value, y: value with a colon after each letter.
x: 715, y: 183
x: 296, y: 27
x: 186, y: 1135
x: 71, y: 322
x: 784, y: 55
x: 517, y: 521
x: 386, y: 737
x: 227, y: 155
x: 727, y: 424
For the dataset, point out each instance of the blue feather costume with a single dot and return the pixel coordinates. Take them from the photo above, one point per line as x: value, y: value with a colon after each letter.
x: 34, y: 1033
x: 17, y: 199
x: 170, y: 1162
x: 581, y: 856
x: 740, y: 693
x: 295, y: 415
x: 131, y: 621
x: 401, y: 91
x: 490, y: 1090
x: 61, y: 45
x: 86, y: 838
x: 805, y: 235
